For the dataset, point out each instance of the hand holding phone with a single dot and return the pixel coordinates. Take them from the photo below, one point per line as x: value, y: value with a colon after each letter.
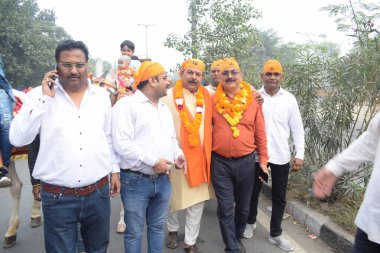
x: 48, y: 82
x: 264, y: 173
x: 264, y: 176
x: 51, y: 85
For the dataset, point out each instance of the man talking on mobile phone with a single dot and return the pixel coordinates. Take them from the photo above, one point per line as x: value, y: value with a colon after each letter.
x: 76, y: 156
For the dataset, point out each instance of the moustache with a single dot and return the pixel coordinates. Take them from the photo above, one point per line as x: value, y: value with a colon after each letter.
x: 193, y: 81
x: 231, y: 80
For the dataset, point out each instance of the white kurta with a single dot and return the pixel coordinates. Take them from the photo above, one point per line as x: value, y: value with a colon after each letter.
x: 184, y: 196
x: 365, y: 149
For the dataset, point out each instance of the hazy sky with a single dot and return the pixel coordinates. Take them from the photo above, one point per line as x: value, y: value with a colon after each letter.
x: 103, y: 25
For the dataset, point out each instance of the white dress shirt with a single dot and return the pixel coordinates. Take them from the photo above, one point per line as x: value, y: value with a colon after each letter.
x: 143, y: 133
x: 365, y: 149
x: 75, y: 143
x: 211, y: 89
x: 282, y: 117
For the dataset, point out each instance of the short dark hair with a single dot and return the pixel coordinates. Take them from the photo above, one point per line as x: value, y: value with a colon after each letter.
x: 69, y: 45
x: 129, y: 44
x: 134, y: 57
x: 142, y: 84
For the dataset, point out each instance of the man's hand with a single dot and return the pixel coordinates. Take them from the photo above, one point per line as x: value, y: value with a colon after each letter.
x: 180, y: 163
x: 162, y: 166
x: 259, y: 98
x: 265, y: 170
x: 49, y: 78
x: 115, y: 184
x: 37, y: 192
x: 297, y: 164
x: 324, y: 181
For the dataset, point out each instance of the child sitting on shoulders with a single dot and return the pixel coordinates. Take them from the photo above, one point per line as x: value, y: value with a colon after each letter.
x: 125, y: 76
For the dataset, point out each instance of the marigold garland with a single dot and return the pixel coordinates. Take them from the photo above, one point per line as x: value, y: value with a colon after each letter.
x: 233, y: 110
x: 192, y: 128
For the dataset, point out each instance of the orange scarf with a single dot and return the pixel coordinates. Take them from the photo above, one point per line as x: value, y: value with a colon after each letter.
x: 198, y: 158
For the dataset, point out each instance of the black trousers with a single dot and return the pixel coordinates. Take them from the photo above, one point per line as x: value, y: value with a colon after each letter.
x: 232, y: 179
x: 280, y: 174
x: 33, y: 149
x: 362, y: 244
x: 257, y: 185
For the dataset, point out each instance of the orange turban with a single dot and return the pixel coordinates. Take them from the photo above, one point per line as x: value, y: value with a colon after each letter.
x: 272, y: 66
x: 228, y: 63
x: 216, y: 64
x: 146, y: 70
x: 193, y: 63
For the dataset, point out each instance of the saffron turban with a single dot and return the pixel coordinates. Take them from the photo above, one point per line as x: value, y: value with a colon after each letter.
x: 272, y: 66
x: 193, y: 63
x: 228, y: 63
x: 146, y: 70
x: 216, y: 64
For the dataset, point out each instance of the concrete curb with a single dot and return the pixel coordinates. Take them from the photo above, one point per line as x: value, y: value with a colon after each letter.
x: 320, y: 225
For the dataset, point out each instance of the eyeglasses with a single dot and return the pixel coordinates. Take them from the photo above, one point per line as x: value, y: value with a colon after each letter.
x: 78, y: 65
x: 232, y: 72
x: 270, y: 74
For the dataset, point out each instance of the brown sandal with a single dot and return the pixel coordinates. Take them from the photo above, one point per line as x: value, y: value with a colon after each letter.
x: 172, y: 240
x: 192, y: 249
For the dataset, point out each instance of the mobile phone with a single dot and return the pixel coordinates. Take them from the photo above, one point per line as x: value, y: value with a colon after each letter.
x: 50, y: 83
x: 263, y: 175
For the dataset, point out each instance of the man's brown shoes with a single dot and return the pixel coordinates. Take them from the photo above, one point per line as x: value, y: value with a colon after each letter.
x: 172, y: 240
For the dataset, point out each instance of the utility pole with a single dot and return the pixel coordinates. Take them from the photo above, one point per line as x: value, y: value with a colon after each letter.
x: 146, y: 37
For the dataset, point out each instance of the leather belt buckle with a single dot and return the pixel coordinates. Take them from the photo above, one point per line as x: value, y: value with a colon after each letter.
x: 154, y: 176
x: 82, y: 191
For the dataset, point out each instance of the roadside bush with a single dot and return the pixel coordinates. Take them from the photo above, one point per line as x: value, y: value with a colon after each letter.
x: 338, y: 97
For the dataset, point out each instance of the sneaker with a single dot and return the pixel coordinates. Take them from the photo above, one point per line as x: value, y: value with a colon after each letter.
x: 248, y: 232
x: 5, y: 181
x: 281, y: 242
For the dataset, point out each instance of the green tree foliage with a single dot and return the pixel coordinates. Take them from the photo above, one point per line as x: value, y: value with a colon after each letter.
x: 339, y: 96
x: 28, y: 37
x: 219, y: 28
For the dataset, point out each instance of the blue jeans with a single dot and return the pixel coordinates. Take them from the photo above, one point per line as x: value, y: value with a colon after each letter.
x: 144, y: 200
x: 62, y: 214
x: 80, y: 244
x: 233, y: 182
x: 6, y: 116
x: 362, y: 244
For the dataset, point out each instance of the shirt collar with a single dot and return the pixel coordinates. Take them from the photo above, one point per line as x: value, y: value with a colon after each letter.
x: 279, y: 92
x: 90, y: 87
x: 141, y: 98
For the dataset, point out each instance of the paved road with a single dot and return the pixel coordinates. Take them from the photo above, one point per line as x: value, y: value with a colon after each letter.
x: 30, y: 240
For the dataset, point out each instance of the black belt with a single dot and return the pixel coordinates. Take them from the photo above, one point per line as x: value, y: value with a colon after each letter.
x: 232, y: 158
x: 151, y: 176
